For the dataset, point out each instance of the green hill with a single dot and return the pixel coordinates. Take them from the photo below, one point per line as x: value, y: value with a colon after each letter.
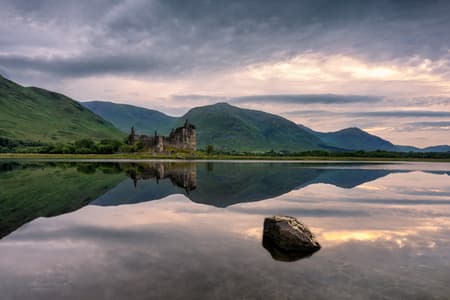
x: 229, y: 127
x: 353, y: 139
x: 123, y: 116
x: 222, y: 125
x: 232, y: 128
x: 34, y: 114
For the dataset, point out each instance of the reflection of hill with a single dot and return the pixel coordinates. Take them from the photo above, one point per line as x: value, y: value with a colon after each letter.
x: 235, y: 183
x: 48, y: 189
x: 224, y: 184
x: 32, y: 190
x: 151, y: 181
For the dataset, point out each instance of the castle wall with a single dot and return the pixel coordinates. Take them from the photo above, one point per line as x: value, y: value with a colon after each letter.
x: 184, y: 137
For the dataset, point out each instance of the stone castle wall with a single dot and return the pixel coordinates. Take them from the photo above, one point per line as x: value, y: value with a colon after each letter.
x: 184, y: 137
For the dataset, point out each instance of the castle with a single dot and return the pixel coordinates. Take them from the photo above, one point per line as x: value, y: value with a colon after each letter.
x: 183, y: 137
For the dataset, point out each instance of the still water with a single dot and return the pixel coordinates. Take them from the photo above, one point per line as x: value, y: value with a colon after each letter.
x: 187, y: 230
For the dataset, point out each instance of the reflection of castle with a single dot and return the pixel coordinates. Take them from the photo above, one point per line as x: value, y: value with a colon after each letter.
x: 183, y: 137
x: 182, y: 175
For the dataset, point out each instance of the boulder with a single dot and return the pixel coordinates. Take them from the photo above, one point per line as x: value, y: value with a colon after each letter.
x: 287, y: 239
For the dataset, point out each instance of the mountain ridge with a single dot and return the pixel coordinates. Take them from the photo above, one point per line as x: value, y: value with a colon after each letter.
x: 36, y: 114
x: 142, y: 119
x: 39, y: 115
x: 347, y: 139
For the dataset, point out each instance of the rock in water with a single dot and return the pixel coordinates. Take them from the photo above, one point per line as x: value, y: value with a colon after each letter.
x: 287, y: 239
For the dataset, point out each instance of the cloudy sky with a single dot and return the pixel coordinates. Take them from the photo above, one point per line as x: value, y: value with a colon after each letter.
x: 383, y: 65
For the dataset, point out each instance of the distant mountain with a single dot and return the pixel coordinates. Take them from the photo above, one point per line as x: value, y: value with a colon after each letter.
x: 34, y: 114
x: 402, y: 148
x: 225, y: 126
x: 229, y: 127
x: 353, y: 139
x: 123, y: 116
x: 439, y: 148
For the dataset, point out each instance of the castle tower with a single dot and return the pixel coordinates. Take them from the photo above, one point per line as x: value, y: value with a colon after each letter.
x: 159, y: 144
x: 184, y: 137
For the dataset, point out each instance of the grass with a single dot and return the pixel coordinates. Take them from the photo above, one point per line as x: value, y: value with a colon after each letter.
x: 33, y: 114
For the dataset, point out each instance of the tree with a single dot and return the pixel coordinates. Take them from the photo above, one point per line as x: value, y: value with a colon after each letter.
x: 131, y: 137
x: 209, y: 149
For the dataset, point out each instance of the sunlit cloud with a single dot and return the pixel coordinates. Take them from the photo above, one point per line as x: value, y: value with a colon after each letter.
x: 160, y: 55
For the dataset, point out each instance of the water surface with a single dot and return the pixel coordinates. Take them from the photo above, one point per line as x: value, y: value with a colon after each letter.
x: 186, y: 230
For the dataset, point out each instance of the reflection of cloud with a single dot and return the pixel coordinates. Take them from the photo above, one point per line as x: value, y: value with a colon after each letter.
x: 368, y: 187
x: 345, y: 236
x: 310, y: 212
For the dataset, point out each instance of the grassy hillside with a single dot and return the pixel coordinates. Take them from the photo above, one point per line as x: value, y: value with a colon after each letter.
x: 34, y: 114
x: 123, y: 116
x: 354, y: 139
x: 231, y: 128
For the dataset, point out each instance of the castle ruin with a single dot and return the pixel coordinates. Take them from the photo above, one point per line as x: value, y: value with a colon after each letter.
x: 182, y: 138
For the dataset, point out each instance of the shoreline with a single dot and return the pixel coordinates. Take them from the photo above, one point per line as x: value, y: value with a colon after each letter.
x: 143, y: 157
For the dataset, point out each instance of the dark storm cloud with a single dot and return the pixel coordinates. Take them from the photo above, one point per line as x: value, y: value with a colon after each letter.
x: 81, y: 66
x: 176, y: 37
x: 307, y: 99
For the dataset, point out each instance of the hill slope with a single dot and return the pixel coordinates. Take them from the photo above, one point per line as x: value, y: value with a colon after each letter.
x: 123, y: 116
x: 34, y: 114
x: 232, y: 128
x: 353, y: 139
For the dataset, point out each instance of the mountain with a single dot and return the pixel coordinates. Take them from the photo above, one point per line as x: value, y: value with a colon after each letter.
x: 229, y: 127
x: 403, y: 148
x: 353, y: 139
x: 439, y: 148
x: 225, y: 126
x: 34, y: 114
x: 123, y: 116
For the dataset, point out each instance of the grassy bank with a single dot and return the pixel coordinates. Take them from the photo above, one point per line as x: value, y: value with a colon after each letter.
x: 203, y: 156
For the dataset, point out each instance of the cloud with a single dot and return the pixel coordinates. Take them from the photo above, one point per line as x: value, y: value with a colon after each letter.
x: 380, y: 114
x: 196, y: 97
x: 81, y: 65
x: 431, y: 124
x: 278, y: 56
x: 312, y: 212
x: 402, y: 114
x: 176, y: 37
x: 307, y: 99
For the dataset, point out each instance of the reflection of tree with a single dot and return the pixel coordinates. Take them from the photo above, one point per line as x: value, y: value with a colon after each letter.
x: 39, y: 189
